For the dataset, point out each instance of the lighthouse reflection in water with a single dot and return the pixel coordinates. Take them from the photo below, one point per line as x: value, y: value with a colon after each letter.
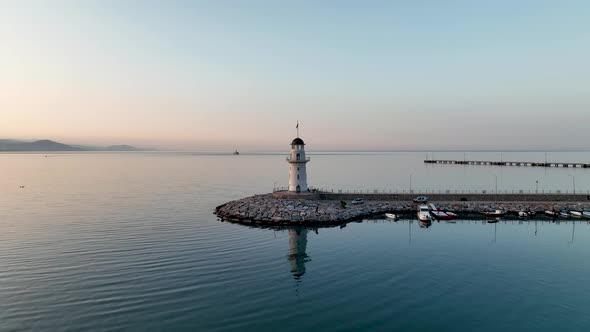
x: 297, y: 251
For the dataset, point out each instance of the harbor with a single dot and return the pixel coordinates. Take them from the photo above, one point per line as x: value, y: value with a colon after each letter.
x: 329, y: 209
x: 301, y: 204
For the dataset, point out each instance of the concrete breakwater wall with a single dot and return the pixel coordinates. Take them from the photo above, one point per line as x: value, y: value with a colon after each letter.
x: 266, y: 209
x: 460, y: 197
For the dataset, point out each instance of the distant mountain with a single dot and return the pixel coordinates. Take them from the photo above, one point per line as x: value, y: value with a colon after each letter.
x: 49, y: 145
x: 40, y: 145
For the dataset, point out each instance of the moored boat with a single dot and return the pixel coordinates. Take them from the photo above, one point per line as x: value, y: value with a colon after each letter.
x: 451, y: 214
x: 391, y: 216
x: 564, y: 213
x: 577, y: 214
x: 424, y: 213
x: 550, y: 213
x: 586, y: 214
x: 523, y: 214
x: 497, y: 213
x: 440, y: 215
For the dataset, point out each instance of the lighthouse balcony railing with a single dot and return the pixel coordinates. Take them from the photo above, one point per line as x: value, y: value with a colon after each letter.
x: 289, y: 159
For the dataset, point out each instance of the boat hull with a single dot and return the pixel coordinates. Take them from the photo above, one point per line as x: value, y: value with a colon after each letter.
x: 424, y: 218
x: 439, y: 215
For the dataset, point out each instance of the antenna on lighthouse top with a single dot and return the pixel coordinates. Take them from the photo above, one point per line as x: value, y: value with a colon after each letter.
x: 297, y: 127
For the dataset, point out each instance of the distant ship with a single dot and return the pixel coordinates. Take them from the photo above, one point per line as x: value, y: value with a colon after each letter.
x: 236, y: 152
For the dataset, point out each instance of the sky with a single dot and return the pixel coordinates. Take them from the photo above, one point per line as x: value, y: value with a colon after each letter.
x: 357, y: 75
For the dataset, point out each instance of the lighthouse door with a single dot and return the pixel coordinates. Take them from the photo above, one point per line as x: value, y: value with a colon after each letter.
x: 298, y: 189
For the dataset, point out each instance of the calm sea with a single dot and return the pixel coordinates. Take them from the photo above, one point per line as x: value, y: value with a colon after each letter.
x: 128, y: 242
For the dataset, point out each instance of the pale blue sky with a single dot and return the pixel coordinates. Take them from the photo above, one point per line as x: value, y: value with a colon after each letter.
x: 356, y: 74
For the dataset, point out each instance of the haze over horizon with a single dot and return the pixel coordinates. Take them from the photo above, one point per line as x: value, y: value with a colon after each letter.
x: 357, y: 75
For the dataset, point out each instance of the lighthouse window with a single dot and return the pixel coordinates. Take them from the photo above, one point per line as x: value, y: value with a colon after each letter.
x: 297, y: 168
x: 297, y: 176
x: 298, y: 156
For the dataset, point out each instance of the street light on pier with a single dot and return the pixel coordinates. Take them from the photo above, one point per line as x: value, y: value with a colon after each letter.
x: 410, y: 183
x: 574, y: 182
x: 496, y: 179
x: 536, y: 186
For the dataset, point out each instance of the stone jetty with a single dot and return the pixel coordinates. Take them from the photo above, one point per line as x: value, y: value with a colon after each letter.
x: 269, y: 209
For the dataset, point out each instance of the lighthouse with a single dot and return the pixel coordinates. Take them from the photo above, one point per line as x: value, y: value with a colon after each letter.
x: 297, y: 161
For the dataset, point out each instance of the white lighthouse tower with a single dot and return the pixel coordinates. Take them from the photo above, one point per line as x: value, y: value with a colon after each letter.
x: 297, y: 161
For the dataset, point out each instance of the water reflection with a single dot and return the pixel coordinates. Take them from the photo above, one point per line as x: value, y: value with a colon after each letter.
x: 425, y: 224
x: 297, y: 251
x: 495, y: 232
x: 573, y: 231
x: 297, y: 236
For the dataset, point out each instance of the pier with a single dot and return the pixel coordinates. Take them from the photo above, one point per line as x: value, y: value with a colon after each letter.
x: 507, y: 163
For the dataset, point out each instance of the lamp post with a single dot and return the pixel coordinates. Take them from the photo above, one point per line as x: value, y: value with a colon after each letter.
x: 410, y: 183
x: 274, y: 186
x: 536, y: 186
x: 496, y: 178
x: 574, y: 182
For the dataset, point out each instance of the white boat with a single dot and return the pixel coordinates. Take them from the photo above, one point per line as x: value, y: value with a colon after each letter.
x: 523, y: 214
x: 550, y: 213
x: 564, y: 213
x: 391, y: 216
x: 576, y: 213
x: 424, y: 213
x: 586, y: 214
x: 497, y: 213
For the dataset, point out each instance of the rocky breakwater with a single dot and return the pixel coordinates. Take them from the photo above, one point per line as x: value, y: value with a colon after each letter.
x: 268, y: 210
x: 265, y: 209
x: 478, y: 207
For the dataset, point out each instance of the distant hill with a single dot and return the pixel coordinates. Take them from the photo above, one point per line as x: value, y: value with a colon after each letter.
x: 49, y: 145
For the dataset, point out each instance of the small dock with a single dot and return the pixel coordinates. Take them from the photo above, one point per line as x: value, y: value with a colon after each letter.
x: 506, y: 163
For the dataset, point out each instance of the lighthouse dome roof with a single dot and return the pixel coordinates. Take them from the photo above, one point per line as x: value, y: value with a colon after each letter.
x: 297, y: 141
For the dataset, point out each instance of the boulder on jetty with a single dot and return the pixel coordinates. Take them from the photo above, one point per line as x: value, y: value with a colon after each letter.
x: 266, y: 209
